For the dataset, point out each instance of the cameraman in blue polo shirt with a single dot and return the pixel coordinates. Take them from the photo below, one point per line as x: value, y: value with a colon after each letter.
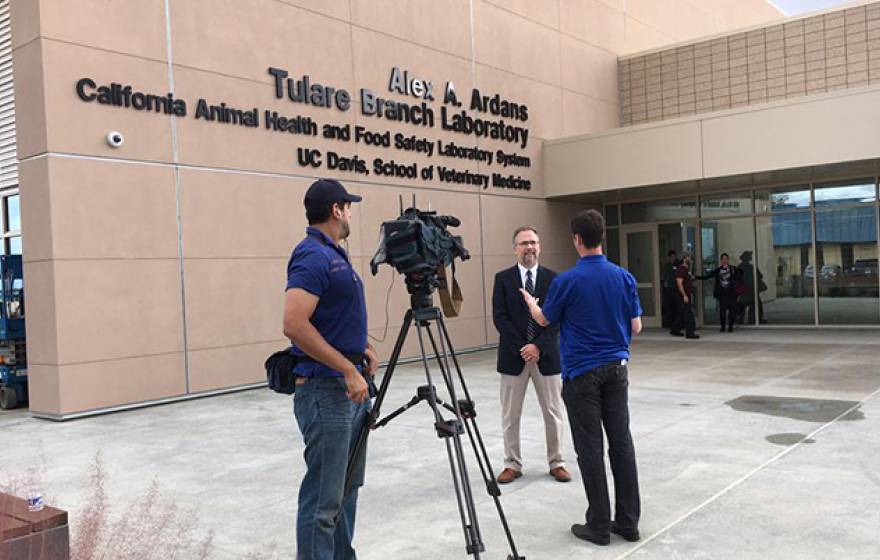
x: 325, y: 316
x: 596, y: 305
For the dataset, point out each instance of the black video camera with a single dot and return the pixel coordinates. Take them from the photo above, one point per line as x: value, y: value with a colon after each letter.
x: 418, y: 245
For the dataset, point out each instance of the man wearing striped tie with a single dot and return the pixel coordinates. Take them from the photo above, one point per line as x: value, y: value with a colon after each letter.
x: 527, y: 351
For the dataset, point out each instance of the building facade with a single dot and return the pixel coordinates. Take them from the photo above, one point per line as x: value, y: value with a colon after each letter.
x: 756, y: 143
x: 164, y: 148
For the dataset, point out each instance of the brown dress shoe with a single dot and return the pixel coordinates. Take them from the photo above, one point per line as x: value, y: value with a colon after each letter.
x: 560, y: 474
x: 508, y: 475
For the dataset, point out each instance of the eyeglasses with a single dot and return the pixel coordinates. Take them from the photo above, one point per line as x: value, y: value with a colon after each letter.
x: 528, y: 243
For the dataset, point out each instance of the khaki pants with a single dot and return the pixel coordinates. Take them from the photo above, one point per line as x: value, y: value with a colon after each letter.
x: 548, y: 389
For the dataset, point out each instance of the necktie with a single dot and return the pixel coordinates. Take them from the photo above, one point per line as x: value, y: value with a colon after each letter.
x: 532, y: 327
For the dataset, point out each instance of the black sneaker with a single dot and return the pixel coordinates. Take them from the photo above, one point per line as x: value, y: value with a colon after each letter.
x: 693, y: 336
x: 587, y: 534
x: 631, y: 535
x: 676, y: 333
x: 723, y: 329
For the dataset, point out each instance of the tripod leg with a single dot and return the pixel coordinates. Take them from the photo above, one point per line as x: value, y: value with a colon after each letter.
x: 463, y: 493
x: 476, y: 439
x: 361, y: 443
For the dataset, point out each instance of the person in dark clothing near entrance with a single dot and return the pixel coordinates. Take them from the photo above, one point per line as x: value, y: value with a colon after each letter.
x: 726, y: 277
x: 684, y: 284
x: 668, y: 295
x: 596, y: 305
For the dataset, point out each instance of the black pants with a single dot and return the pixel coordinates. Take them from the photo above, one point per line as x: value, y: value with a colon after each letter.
x: 727, y: 310
x: 684, y: 317
x: 597, y: 399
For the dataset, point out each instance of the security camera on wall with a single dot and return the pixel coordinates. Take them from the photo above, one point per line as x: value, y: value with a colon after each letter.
x: 115, y: 139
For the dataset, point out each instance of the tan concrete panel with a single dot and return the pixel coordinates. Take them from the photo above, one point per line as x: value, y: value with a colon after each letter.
x: 232, y: 146
x: 509, y: 42
x: 135, y: 28
x: 598, y: 22
x: 24, y: 21
x: 245, y: 38
x: 36, y: 216
x: 43, y: 389
x: 545, y: 12
x: 662, y: 16
x: 228, y: 215
x: 734, y: 14
x: 666, y: 153
x: 110, y: 309
x: 230, y: 366
x: 585, y: 115
x: 544, y: 101
x: 444, y: 26
x: 375, y: 55
x: 640, y: 37
x: 29, y: 88
x: 334, y: 8
x: 815, y: 131
x: 694, y: 23
x: 234, y: 301
x: 76, y: 126
x: 502, y: 215
x: 103, y: 209
x: 589, y: 70
x: 466, y: 333
x: 115, y: 382
x: 534, y: 172
x: 41, y: 325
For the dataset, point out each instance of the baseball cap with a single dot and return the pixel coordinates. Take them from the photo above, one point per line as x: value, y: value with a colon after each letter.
x: 324, y: 192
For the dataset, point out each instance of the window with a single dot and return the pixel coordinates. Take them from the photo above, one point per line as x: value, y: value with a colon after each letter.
x: 849, y: 193
x: 659, y: 211
x: 779, y: 200
x: 11, y: 212
x: 726, y: 205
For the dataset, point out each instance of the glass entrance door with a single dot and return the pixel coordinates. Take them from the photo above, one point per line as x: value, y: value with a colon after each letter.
x: 639, y: 256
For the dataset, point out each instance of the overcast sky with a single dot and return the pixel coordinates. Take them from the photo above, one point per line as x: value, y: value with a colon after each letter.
x: 797, y: 7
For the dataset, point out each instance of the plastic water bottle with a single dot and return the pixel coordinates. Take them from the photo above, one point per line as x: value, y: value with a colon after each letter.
x: 35, y: 500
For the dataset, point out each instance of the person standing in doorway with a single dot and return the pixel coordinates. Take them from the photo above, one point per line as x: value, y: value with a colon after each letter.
x: 596, y: 305
x: 527, y: 351
x: 325, y: 316
x: 684, y: 285
x: 669, y: 293
x: 724, y: 291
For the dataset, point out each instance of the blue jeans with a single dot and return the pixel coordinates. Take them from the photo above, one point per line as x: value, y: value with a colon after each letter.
x: 329, y: 422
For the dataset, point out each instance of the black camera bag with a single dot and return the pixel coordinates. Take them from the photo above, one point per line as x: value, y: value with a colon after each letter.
x: 279, y: 371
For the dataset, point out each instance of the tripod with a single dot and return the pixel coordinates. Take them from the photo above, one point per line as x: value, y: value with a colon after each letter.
x: 422, y: 314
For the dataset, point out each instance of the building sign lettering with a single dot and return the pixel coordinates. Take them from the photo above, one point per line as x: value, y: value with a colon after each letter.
x: 476, y: 117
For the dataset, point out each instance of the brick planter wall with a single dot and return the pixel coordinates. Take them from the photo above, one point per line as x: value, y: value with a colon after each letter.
x: 25, y: 535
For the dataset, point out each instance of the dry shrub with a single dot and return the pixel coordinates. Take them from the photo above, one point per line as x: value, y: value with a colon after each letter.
x: 151, y: 528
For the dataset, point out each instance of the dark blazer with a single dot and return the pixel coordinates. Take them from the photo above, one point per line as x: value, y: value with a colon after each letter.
x: 511, y: 318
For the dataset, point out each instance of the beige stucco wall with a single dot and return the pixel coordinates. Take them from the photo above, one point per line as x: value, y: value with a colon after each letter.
x: 156, y: 270
x: 807, y: 131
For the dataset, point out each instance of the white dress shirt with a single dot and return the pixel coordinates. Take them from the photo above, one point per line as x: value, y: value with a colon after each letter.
x: 522, y: 275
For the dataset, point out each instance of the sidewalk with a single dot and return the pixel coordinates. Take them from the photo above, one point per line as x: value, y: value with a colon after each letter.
x: 721, y: 428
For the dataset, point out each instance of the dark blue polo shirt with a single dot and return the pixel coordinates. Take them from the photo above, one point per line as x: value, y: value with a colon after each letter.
x: 593, y: 303
x: 322, y: 268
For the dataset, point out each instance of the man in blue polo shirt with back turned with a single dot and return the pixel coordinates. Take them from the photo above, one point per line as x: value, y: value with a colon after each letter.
x: 596, y: 306
x: 325, y: 316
